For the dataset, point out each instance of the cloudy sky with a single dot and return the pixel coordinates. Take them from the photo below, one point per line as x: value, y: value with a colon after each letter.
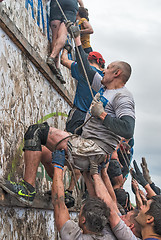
x: 130, y: 30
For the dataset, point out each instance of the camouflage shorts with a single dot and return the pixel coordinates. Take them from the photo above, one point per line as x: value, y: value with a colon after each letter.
x: 82, y: 150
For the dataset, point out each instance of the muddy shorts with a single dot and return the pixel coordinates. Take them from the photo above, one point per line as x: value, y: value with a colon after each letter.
x: 70, y: 11
x: 82, y: 150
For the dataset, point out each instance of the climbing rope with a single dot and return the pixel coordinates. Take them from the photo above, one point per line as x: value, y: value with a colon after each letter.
x: 125, y: 158
x: 79, y: 55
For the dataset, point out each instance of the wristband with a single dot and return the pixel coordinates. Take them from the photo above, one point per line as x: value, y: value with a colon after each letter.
x: 59, y: 167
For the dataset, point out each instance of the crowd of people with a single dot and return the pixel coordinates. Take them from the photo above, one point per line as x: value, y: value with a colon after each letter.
x: 98, y: 143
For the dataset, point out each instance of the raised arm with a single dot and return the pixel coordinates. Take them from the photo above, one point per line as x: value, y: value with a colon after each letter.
x: 87, y: 28
x: 61, y: 213
x: 90, y: 72
x: 101, y: 192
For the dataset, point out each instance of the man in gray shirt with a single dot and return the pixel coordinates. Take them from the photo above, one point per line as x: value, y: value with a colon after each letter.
x: 113, y: 117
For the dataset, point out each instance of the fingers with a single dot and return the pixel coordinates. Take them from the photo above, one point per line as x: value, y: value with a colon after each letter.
x: 144, y: 162
x: 136, y: 167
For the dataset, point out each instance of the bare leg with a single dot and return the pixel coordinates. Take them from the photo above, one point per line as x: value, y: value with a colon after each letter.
x: 59, y: 42
x: 32, y: 161
x: 46, y: 160
x: 33, y: 158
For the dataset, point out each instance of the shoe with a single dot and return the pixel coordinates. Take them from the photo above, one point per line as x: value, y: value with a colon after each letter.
x: 60, y: 77
x: 68, y: 46
x: 69, y: 200
x: 19, y: 190
x: 51, y: 62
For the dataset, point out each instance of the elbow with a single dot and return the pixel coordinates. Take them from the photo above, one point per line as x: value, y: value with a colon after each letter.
x: 128, y: 133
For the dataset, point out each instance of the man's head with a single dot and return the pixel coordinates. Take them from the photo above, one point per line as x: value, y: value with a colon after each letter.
x: 96, y: 57
x: 119, y: 71
x: 150, y: 215
x: 130, y: 221
x: 83, y: 13
x: 94, y: 215
x: 123, y: 198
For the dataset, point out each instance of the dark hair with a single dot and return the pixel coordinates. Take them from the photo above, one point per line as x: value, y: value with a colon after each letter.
x: 96, y: 214
x: 123, y: 198
x: 155, y: 211
x: 83, y: 13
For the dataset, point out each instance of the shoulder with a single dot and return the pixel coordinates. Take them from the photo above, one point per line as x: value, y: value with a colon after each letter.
x: 123, y: 93
x: 83, y: 20
x: 70, y: 230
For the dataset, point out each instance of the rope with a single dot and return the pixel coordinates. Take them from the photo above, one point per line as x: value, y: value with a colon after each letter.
x: 126, y: 159
x: 80, y: 58
x: 86, y: 77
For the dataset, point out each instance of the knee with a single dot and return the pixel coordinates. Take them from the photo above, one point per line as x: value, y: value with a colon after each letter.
x: 36, y: 136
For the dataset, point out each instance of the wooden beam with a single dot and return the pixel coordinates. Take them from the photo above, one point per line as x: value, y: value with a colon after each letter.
x: 41, y: 201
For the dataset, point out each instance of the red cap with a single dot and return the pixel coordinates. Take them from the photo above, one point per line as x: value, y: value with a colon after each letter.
x: 97, y: 56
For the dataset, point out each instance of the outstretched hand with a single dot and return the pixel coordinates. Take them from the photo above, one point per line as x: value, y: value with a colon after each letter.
x: 137, y: 175
x: 146, y: 171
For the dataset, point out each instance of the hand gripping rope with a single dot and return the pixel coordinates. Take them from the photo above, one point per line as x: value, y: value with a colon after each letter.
x: 86, y: 77
x: 80, y: 58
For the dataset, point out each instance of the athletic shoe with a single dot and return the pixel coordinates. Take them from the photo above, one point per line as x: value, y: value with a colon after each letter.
x: 68, y: 46
x: 51, y: 62
x: 19, y: 190
x: 69, y: 200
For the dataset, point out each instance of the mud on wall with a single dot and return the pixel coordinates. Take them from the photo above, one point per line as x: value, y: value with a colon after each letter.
x: 26, y: 96
x: 18, y: 224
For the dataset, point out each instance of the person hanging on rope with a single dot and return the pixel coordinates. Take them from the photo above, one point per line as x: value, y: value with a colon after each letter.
x: 113, y: 117
x: 82, y: 100
x: 59, y: 32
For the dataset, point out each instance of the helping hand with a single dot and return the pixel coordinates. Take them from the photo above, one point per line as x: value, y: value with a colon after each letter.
x: 138, y: 175
x: 146, y: 171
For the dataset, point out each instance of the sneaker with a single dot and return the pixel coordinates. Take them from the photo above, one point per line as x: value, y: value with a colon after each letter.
x: 68, y: 46
x: 19, y: 190
x: 60, y: 77
x: 69, y: 200
x: 51, y: 62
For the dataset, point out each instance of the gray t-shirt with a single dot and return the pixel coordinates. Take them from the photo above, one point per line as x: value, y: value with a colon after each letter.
x: 117, y: 103
x: 71, y: 231
x: 123, y: 232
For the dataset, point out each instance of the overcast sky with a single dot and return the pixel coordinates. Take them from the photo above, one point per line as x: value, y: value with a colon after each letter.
x: 130, y: 30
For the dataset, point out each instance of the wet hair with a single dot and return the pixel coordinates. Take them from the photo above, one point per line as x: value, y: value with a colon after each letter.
x: 83, y: 12
x: 123, y: 198
x: 155, y: 211
x: 96, y: 214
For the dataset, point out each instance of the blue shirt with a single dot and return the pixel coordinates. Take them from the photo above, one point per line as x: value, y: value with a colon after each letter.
x: 83, y: 97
